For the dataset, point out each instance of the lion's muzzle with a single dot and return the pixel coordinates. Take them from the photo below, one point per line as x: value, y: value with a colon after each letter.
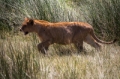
x: 25, y: 33
x: 20, y: 29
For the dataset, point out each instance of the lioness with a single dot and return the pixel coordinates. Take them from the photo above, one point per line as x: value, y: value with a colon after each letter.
x: 62, y: 33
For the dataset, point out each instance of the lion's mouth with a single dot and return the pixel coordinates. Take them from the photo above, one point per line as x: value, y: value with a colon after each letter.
x: 26, y: 33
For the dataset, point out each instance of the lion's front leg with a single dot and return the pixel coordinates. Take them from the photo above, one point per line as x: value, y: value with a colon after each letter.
x: 43, y: 47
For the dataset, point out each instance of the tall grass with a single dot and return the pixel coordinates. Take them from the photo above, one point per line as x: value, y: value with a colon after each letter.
x: 13, y: 12
x: 19, y: 58
x: 104, y: 15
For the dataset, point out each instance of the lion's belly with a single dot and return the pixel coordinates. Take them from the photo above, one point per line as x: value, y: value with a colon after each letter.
x: 64, y: 41
x: 62, y: 35
x: 65, y: 38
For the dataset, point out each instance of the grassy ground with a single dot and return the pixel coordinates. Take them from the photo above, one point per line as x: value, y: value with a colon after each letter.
x: 20, y: 59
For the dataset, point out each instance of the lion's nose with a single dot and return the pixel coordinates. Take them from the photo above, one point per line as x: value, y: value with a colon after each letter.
x: 20, y: 29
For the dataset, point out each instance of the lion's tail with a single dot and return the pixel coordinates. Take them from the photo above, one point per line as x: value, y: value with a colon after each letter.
x: 100, y: 41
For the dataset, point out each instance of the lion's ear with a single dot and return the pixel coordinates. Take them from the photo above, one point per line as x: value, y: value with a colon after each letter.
x: 31, y: 21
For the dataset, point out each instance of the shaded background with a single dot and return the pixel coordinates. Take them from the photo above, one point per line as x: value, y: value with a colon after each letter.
x: 103, y: 15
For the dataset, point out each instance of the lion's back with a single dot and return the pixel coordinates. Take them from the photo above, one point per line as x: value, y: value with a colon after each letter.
x: 65, y: 32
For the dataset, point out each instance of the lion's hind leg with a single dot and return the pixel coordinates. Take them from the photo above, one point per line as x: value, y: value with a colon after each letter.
x: 92, y: 42
x: 79, y: 46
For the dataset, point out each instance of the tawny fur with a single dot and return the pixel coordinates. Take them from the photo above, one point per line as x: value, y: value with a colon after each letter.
x: 62, y: 33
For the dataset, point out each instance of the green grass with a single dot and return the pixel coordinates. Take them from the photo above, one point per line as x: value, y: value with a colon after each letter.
x: 20, y: 59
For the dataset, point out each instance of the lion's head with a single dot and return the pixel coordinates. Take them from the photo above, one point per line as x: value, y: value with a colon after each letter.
x: 27, y: 26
